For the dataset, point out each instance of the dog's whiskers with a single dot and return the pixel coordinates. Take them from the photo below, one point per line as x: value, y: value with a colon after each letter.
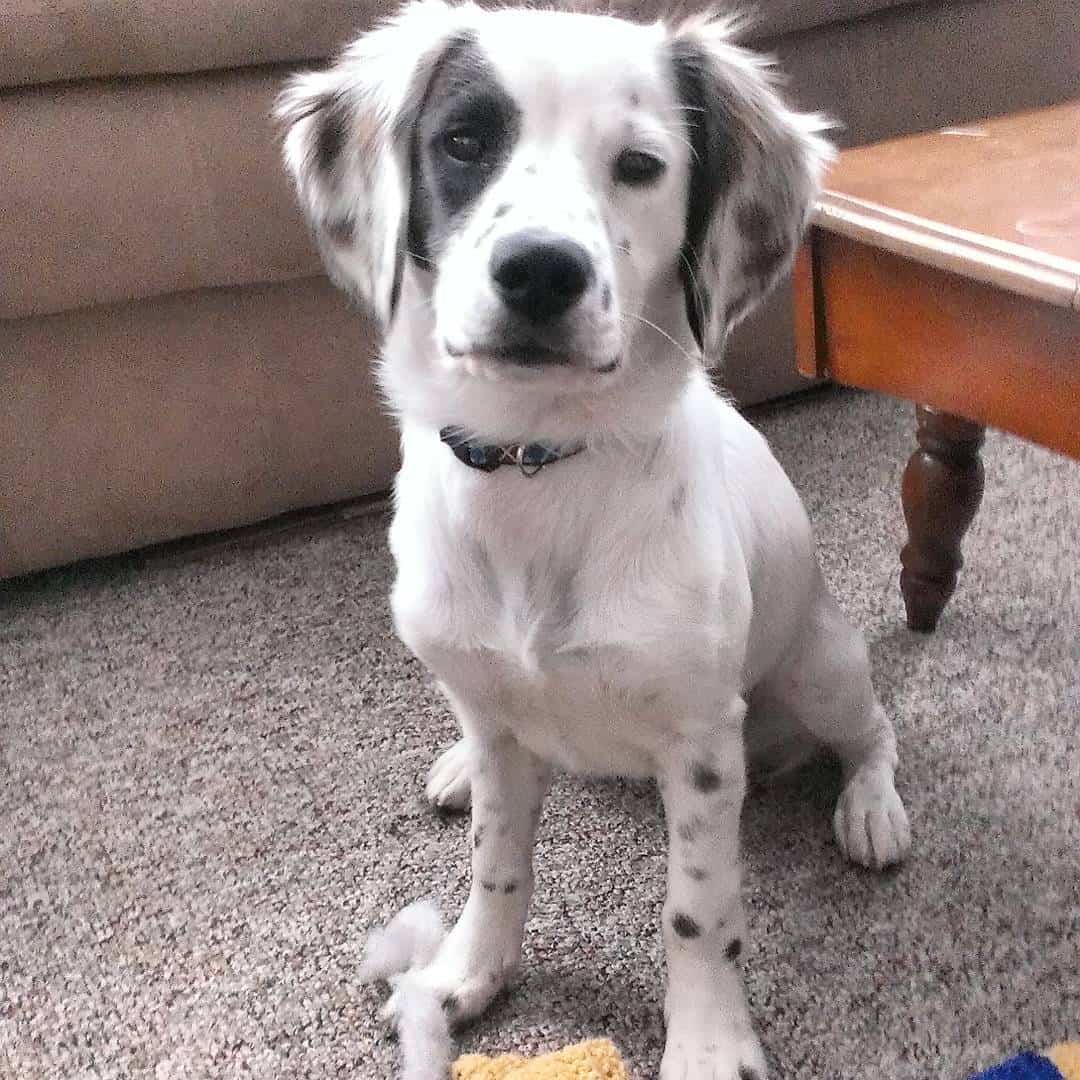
x: 418, y: 257
x: 663, y: 333
x: 681, y: 108
x: 678, y: 136
x: 692, y: 272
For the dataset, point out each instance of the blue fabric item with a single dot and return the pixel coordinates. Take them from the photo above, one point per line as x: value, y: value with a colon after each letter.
x: 1022, y: 1067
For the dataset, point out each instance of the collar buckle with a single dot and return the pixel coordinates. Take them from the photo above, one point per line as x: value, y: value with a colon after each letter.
x: 525, y: 469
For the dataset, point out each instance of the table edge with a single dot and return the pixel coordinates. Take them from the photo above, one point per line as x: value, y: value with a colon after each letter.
x: 1014, y: 267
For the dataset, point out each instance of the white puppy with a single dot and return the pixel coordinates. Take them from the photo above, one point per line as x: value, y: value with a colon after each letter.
x: 555, y: 216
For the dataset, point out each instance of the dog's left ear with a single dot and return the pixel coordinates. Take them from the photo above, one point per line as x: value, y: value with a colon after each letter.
x: 755, y: 169
x: 347, y: 147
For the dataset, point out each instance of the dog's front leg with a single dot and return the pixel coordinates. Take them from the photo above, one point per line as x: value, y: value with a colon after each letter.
x: 709, y: 1034
x: 483, y: 950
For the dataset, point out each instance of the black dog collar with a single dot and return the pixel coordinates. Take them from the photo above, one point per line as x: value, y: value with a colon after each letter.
x: 530, y: 458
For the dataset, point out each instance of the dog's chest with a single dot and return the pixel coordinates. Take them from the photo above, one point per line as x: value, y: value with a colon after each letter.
x: 587, y: 661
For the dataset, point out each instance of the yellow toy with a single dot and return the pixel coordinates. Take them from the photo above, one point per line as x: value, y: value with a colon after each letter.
x: 594, y: 1060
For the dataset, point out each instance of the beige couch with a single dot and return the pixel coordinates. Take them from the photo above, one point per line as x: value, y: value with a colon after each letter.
x: 172, y: 360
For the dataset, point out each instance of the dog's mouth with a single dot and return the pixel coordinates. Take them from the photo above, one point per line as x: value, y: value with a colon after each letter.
x: 524, y: 355
x: 529, y: 356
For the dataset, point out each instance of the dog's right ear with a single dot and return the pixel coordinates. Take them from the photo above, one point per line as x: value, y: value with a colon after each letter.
x: 347, y: 133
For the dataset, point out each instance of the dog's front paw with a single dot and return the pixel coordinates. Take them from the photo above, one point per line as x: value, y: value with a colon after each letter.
x: 449, y: 784
x: 710, y: 1054
x: 463, y: 990
x: 870, y: 822
x: 472, y: 965
x: 709, y: 1033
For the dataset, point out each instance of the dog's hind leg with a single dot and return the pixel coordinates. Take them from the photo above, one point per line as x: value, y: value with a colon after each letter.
x: 825, y: 682
x: 449, y: 782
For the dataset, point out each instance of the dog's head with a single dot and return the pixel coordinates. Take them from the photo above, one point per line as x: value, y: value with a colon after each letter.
x: 574, y: 201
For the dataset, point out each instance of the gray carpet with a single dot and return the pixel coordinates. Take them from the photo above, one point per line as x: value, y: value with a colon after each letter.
x: 211, y: 785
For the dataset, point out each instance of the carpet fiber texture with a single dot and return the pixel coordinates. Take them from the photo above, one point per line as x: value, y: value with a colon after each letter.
x: 211, y: 771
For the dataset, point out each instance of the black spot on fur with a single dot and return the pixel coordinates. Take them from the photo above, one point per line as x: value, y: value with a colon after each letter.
x: 450, y: 1003
x: 697, y: 873
x: 754, y: 223
x: 501, y: 209
x: 635, y: 100
x: 685, y: 927
x: 510, y: 887
x: 766, y: 250
x: 746, y: 1073
x: 764, y: 264
x: 704, y: 778
x: 478, y: 836
x: 734, y: 949
x: 341, y: 230
x: 488, y: 886
x: 688, y: 830
x: 716, y: 161
x: 331, y: 134
x: 605, y: 298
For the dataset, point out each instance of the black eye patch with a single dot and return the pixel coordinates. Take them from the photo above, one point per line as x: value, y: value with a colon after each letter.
x: 476, y: 132
x: 464, y: 134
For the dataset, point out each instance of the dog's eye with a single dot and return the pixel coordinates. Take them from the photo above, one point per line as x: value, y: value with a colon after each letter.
x: 637, y: 167
x: 465, y: 145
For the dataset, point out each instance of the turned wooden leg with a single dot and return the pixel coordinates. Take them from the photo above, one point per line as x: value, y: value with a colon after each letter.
x: 943, y: 485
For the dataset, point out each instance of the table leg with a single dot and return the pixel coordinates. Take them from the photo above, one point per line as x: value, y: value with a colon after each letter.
x: 943, y: 485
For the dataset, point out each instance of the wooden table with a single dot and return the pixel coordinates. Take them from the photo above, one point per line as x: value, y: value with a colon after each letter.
x: 945, y: 269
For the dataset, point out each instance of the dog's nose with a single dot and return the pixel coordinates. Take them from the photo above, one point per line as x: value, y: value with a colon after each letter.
x: 539, y: 275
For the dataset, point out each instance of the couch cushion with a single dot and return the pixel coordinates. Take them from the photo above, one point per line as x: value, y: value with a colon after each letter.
x: 54, y: 40
x: 134, y: 188
x: 784, y: 17
x: 126, y: 425
x: 768, y: 18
